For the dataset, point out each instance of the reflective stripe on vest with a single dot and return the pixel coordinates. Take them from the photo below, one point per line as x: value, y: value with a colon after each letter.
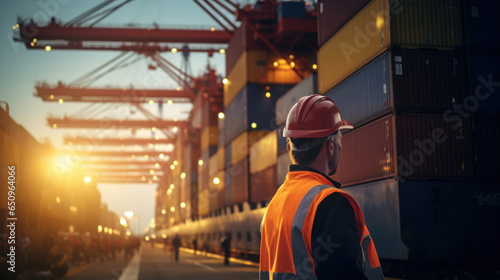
x: 303, y: 262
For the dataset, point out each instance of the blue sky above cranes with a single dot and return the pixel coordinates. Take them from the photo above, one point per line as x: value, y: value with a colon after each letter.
x: 20, y: 69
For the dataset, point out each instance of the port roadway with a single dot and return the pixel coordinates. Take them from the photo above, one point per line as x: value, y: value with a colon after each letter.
x: 155, y: 263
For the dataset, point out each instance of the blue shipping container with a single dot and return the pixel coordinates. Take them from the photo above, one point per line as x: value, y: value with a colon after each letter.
x: 251, y: 109
x: 308, y: 86
x: 484, y: 72
x: 379, y: 202
x: 481, y: 22
x: 366, y: 94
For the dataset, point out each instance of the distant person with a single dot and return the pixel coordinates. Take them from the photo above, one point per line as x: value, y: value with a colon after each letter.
x: 176, y: 243
x: 226, y: 246
x: 195, y: 245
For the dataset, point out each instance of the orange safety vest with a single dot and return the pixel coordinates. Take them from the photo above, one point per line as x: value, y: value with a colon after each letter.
x: 285, y: 248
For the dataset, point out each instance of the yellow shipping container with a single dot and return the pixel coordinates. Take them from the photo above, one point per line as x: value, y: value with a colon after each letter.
x: 209, y: 137
x: 406, y: 24
x: 213, y: 165
x: 257, y: 66
x: 350, y: 47
x: 241, y: 144
x: 264, y: 152
x: 221, y: 159
x: 204, y: 202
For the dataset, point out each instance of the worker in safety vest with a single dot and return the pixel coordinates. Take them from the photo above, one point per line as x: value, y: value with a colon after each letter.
x: 312, y: 229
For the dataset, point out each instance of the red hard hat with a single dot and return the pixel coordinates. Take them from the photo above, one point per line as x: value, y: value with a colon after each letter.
x: 314, y: 116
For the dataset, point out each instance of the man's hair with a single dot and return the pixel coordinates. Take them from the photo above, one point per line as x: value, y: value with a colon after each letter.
x: 306, y: 150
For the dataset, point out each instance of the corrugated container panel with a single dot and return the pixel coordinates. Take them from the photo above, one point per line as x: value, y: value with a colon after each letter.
x: 281, y: 140
x: 213, y: 165
x: 427, y: 81
x: 412, y: 24
x: 238, y: 77
x: 427, y: 24
x: 263, y: 184
x: 366, y: 94
x: 350, y: 47
x: 282, y: 167
x: 209, y: 116
x: 228, y: 197
x: 483, y: 242
x: 221, y: 199
x: 479, y: 18
x: 236, y: 116
x: 203, y: 177
x: 261, y: 110
x: 204, y: 202
x: 422, y: 156
x: 380, y: 204
x: 367, y: 153
x: 333, y: 14
x: 209, y: 137
x: 214, y: 198
x: 291, y: 10
x: 241, y: 41
x: 484, y: 75
x: 256, y: 66
x: 486, y: 149
x: 252, y: 106
x: 227, y: 156
x: 433, y: 219
x: 239, y: 148
x: 240, y: 145
x: 263, y: 153
x: 286, y: 102
x: 206, y: 154
x: 221, y: 192
x: 238, y: 174
x: 222, y: 138
x: 220, y: 159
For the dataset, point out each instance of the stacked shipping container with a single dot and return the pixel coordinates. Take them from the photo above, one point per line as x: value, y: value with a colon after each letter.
x: 398, y: 72
x: 257, y: 78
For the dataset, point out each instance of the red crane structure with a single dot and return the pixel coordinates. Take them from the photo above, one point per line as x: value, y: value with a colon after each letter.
x: 261, y: 27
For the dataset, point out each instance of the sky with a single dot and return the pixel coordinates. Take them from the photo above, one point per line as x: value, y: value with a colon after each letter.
x: 21, y: 69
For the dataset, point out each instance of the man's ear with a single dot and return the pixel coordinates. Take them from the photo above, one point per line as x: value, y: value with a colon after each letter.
x: 330, y: 147
x: 288, y: 148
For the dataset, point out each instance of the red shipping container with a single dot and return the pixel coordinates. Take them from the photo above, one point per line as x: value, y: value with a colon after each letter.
x: 263, y: 184
x: 410, y: 146
x: 333, y: 14
x: 367, y: 153
x: 433, y: 147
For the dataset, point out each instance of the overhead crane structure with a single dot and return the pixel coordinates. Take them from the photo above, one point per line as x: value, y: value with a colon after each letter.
x: 82, y: 140
x: 145, y: 154
x: 127, y: 95
x: 67, y: 122
x: 269, y: 31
